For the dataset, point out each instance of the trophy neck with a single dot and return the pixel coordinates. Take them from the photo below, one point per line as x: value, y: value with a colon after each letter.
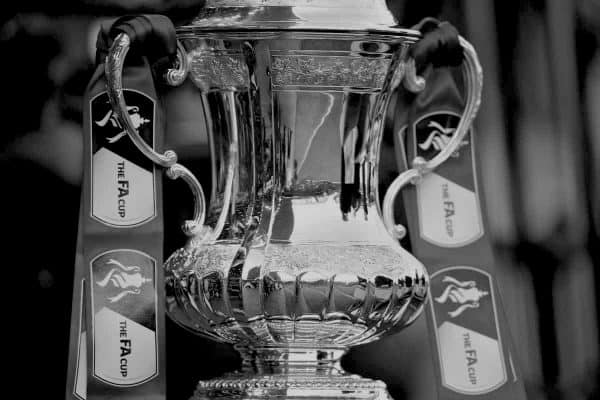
x: 371, y: 15
x: 292, y: 360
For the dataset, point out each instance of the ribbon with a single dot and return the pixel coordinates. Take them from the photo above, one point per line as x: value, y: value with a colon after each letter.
x: 445, y: 213
x: 439, y: 45
x: 117, y: 337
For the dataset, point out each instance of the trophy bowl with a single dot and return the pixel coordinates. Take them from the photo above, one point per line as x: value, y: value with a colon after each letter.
x: 294, y: 260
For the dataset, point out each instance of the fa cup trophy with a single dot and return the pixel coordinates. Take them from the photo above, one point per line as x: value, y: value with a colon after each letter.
x: 294, y: 259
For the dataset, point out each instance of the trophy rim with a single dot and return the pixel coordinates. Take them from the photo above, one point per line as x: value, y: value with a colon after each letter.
x: 390, y: 34
x: 383, y: 31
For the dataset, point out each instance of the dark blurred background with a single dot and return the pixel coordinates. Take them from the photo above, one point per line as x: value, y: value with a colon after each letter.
x: 539, y: 143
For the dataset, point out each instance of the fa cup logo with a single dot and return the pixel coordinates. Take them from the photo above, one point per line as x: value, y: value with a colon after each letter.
x: 134, y: 114
x: 464, y: 294
x: 438, y: 138
x: 127, y: 278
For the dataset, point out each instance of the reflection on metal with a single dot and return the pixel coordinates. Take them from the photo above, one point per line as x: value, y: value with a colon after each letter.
x: 176, y: 76
x: 316, y: 270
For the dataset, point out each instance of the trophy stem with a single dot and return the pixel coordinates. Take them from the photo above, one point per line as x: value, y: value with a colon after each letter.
x: 292, y: 372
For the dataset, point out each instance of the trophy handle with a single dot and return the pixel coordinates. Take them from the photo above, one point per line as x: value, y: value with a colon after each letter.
x: 115, y: 59
x: 420, y: 167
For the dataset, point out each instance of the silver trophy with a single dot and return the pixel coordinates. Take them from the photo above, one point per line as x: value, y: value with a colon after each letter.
x: 293, y: 260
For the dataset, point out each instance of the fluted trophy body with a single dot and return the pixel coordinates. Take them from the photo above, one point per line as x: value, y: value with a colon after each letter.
x: 296, y: 258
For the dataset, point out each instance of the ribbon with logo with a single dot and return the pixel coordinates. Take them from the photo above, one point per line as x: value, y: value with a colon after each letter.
x: 117, y: 336
x: 469, y: 335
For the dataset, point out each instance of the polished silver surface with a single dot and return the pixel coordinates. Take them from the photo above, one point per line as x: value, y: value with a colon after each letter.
x: 321, y: 273
x: 293, y: 261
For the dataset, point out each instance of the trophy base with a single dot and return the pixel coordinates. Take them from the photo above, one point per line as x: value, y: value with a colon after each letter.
x: 241, y: 385
x: 298, y: 373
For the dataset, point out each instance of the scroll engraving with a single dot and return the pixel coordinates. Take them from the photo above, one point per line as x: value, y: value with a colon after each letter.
x: 337, y: 71
x: 218, y: 71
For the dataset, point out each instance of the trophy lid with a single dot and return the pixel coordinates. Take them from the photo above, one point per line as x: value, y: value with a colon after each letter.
x: 337, y: 15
